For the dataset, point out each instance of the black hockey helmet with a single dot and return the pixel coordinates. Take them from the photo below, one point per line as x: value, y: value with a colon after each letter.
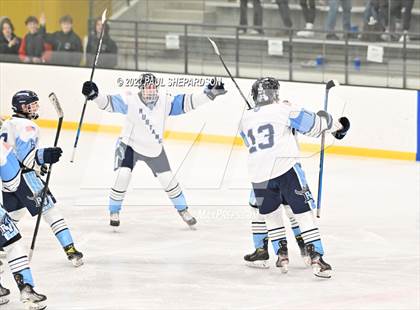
x: 149, y: 89
x: 265, y: 91
x: 25, y: 102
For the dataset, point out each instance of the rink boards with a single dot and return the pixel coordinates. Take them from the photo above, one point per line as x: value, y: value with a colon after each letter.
x: 385, y: 122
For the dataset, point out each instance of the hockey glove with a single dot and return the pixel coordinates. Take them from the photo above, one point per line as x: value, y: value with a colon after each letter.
x: 49, y: 155
x: 340, y: 134
x: 215, y: 88
x: 90, y: 90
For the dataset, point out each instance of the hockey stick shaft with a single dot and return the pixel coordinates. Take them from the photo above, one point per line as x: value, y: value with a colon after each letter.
x: 82, y: 115
x: 56, y: 104
x: 216, y: 50
x: 329, y: 85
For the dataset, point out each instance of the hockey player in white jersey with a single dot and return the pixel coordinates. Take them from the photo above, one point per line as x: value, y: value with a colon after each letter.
x: 23, y: 135
x: 10, y: 238
x: 142, y: 136
x: 270, y: 133
x: 260, y: 236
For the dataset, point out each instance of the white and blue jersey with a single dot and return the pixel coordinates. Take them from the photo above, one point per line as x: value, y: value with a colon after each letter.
x: 269, y: 134
x: 23, y: 136
x: 144, y: 127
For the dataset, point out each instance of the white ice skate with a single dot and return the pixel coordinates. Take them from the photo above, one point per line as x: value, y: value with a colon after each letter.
x: 188, y: 218
x: 31, y: 299
x: 320, y: 268
x: 283, y: 257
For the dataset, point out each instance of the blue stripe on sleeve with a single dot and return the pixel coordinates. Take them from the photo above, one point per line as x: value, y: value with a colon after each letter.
x: 303, y: 122
x: 118, y: 104
x: 177, y: 105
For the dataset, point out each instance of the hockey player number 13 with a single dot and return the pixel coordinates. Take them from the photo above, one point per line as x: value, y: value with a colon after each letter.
x: 267, y: 131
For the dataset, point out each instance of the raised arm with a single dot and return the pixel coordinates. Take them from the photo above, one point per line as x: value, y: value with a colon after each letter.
x: 110, y: 103
x: 314, y: 124
x: 184, y: 103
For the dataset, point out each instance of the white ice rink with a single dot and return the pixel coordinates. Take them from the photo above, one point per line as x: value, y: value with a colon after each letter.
x: 369, y: 225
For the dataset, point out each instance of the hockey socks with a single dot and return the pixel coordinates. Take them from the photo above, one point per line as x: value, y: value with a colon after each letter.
x: 19, y: 264
x: 59, y: 227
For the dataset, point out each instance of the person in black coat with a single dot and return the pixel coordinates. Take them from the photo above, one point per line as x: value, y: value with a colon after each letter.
x: 66, y: 44
x: 109, y: 49
x: 9, y: 42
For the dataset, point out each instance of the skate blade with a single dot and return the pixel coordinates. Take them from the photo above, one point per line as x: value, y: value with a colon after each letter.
x: 326, y: 274
x: 192, y: 227
x: 77, y: 262
x: 258, y: 264
x: 3, y: 300
x: 30, y: 305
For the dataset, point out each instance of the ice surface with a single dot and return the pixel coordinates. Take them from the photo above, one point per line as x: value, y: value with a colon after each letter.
x: 369, y: 225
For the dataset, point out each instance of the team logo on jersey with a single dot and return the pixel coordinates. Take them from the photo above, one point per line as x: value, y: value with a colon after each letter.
x: 37, y: 198
x: 306, y: 193
x: 7, y: 228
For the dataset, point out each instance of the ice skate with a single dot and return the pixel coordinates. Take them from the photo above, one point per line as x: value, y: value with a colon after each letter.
x: 4, y: 293
x: 260, y: 257
x: 114, y: 220
x: 319, y: 266
x: 283, y: 257
x: 74, y: 256
x: 303, y: 252
x: 31, y: 299
x: 188, y: 218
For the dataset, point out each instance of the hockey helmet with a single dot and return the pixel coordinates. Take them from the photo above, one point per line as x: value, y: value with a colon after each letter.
x: 149, y: 89
x: 265, y: 91
x: 25, y: 102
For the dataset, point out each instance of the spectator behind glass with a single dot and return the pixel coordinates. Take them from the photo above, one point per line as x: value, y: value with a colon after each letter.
x: 401, y: 8
x: 285, y: 14
x: 332, y: 17
x: 109, y: 50
x: 9, y: 42
x: 258, y: 15
x: 67, y: 46
x: 309, y: 12
x: 34, y: 48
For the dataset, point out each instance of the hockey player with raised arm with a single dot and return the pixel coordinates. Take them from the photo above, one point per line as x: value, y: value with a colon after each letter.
x: 142, y: 136
x: 270, y: 133
x: 10, y: 237
x: 22, y: 134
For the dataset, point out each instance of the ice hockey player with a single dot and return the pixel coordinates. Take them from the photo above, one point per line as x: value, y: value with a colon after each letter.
x: 260, y: 235
x: 23, y: 135
x: 142, y: 136
x: 10, y: 238
x: 269, y: 131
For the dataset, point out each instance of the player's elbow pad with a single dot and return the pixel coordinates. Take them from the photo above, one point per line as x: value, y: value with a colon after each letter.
x: 323, y: 122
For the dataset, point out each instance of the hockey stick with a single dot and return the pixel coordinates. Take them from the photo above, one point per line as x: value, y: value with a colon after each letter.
x: 216, y: 50
x: 54, y: 101
x: 329, y: 85
x: 98, y: 51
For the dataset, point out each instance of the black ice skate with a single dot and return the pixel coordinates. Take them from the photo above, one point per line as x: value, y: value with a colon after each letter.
x: 283, y: 254
x: 319, y: 266
x: 114, y: 220
x: 31, y: 299
x: 258, y: 259
x: 303, y: 252
x: 4, y: 293
x: 73, y: 255
x: 188, y: 218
